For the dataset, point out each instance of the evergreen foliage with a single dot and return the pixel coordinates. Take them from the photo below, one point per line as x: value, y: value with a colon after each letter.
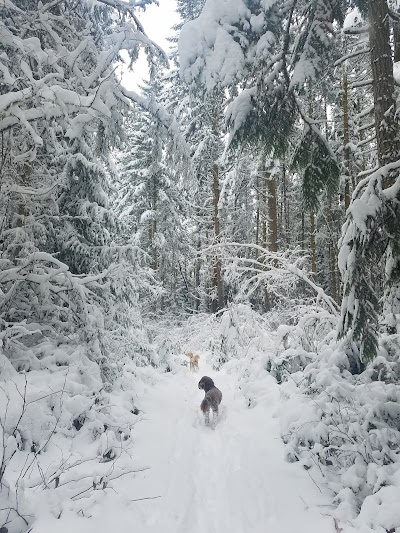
x: 61, y: 110
x: 314, y: 157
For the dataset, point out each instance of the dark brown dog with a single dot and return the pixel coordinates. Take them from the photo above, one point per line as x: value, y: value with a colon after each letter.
x: 212, y: 399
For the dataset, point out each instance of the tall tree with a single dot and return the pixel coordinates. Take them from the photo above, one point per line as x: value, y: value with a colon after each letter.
x: 377, y: 237
x: 61, y: 107
x: 150, y: 200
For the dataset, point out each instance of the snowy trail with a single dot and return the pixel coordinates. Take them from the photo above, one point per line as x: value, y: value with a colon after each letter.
x: 230, y: 480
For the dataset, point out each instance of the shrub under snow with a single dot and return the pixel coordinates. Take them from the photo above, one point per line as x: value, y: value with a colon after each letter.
x: 64, y: 438
x: 342, y: 425
x: 235, y: 333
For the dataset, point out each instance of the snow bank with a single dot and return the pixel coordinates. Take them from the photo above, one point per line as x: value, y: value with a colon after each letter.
x: 342, y: 425
x: 65, y: 439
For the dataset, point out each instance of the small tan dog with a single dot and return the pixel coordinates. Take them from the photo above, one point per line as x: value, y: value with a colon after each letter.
x: 193, y: 361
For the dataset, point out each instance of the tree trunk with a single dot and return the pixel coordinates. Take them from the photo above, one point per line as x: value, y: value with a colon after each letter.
x: 197, y: 273
x: 313, y: 253
x: 346, y: 140
x: 218, y: 281
x: 386, y: 127
x: 258, y: 213
x: 396, y: 39
x: 383, y: 237
x: 286, y: 215
x: 388, y: 146
x: 266, y: 300
x: 332, y: 226
x: 333, y: 269
x: 272, y: 207
x: 269, y: 222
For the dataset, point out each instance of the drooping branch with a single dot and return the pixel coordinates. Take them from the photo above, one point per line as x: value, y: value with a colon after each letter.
x: 274, y: 261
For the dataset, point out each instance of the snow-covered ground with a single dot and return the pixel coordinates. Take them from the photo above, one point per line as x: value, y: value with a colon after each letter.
x: 230, y: 480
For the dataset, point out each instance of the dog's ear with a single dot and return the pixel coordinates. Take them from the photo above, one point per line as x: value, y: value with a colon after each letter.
x: 209, y: 383
x: 206, y: 383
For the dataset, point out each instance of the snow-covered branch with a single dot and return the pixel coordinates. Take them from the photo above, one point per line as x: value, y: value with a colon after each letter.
x: 268, y: 262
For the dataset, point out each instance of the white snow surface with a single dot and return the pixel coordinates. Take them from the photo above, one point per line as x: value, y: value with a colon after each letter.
x: 138, y: 456
x: 233, y: 479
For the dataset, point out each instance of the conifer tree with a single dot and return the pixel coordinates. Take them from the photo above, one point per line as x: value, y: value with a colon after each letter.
x: 61, y: 107
x: 150, y: 199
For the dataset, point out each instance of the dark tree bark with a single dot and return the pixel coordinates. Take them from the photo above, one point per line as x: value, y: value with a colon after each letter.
x: 259, y: 199
x: 313, y: 252
x: 285, y: 230
x: 153, y: 223
x: 388, y: 144
x: 386, y: 125
x: 346, y: 140
x: 197, y: 274
x: 272, y: 212
x: 218, y: 280
x: 396, y: 38
x: 383, y: 239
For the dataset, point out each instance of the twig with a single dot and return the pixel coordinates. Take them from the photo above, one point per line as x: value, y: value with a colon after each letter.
x: 315, y: 483
x: 337, y: 528
x: 108, y: 480
x: 52, y: 432
x: 147, y: 498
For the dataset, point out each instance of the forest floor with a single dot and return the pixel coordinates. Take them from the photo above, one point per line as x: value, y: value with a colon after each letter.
x: 233, y: 479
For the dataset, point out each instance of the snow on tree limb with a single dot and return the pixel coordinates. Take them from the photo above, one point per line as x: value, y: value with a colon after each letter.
x: 41, y: 97
x: 272, y: 261
x: 363, y: 241
x: 209, y: 46
x: 160, y: 113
